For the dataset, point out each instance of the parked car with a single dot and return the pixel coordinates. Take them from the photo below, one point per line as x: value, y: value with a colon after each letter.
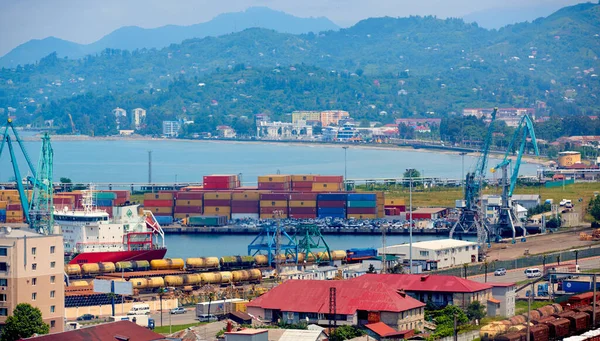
x: 207, y: 318
x: 85, y: 317
x: 500, y: 272
x: 178, y: 310
x: 533, y: 272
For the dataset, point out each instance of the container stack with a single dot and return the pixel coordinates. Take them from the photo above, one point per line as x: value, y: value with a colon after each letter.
x: 245, y: 205
x: 276, y: 182
x: 188, y: 204
x: 122, y: 196
x: 332, y: 205
x: 217, y: 204
x: 161, y: 204
x: 14, y: 213
x: 303, y: 205
x: 3, y: 205
x: 273, y: 205
x: 394, y: 207
x: 362, y: 206
x: 380, y: 204
x: 221, y: 181
x: 105, y: 201
x: 302, y: 183
x: 328, y: 183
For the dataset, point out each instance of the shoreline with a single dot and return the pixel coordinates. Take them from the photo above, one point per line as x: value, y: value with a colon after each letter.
x: 65, y: 138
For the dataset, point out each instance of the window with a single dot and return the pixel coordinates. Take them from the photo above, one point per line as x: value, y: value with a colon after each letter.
x: 3, y: 251
x: 33, y: 296
x: 33, y: 266
x: 290, y: 315
x: 52, y: 279
x: 52, y: 249
x: 52, y: 308
x: 3, y: 282
x: 52, y: 324
x: 52, y: 294
x: 424, y: 253
x: 52, y: 264
x: 33, y: 250
x: 3, y: 312
x: 33, y: 281
x: 3, y: 266
x: 2, y: 297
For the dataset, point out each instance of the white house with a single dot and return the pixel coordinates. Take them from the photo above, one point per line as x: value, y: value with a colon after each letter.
x: 504, y: 304
x: 445, y: 253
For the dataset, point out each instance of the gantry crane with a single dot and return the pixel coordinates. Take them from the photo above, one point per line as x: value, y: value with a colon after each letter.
x: 471, y: 219
x: 507, y: 219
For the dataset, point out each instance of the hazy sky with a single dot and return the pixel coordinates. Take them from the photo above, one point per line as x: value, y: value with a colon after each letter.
x: 85, y: 21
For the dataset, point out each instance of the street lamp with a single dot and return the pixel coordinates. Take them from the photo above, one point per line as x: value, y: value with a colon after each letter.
x: 345, y: 163
x: 410, y: 227
x: 462, y: 178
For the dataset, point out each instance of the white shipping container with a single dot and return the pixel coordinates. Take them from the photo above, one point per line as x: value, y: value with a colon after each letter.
x: 494, y: 201
x: 220, y: 307
x: 243, y: 216
x: 460, y: 204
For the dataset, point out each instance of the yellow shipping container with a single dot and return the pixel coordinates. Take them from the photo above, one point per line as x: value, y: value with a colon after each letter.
x: 246, y: 196
x: 164, y: 210
x: 362, y: 216
x: 14, y: 214
x: 395, y: 202
x: 217, y: 210
x: 272, y: 216
x: 273, y: 203
x: 217, y: 196
x: 275, y: 178
x: 300, y: 203
x: 303, y: 177
x: 185, y: 215
x: 158, y: 196
x: 326, y: 187
x: 240, y: 306
x: 11, y: 198
x: 3, y: 204
x: 184, y: 202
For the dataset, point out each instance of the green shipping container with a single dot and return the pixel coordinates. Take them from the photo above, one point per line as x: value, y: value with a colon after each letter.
x: 362, y: 204
x: 559, y: 183
x: 105, y: 195
x: 207, y: 221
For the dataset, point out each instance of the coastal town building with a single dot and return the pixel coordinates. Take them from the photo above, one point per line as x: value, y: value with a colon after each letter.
x: 120, y: 330
x: 333, y: 117
x: 306, y: 116
x: 31, y: 271
x: 438, y: 254
x: 171, y: 128
x: 503, y: 301
x: 226, y: 132
x: 138, y: 117
x: 511, y: 116
x: 282, y: 130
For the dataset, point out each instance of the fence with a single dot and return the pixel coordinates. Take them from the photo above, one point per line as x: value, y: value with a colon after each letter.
x: 529, y: 261
x: 468, y: 336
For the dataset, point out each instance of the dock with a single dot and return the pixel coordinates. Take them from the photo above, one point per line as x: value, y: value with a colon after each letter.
x: 174, y: 229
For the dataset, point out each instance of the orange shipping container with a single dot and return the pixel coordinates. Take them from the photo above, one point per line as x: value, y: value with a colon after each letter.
x: 303, y: 178
x: 395, y: 202
x: 3, y: 204
x: 362, y: 216
x: 272, y: 216
x: 164, y: 210
x: 295, y: 203
x: 183, y: 202
x: 158, y: 196
x: 14, y: 214
x: 273, y: 203
x: 275, y: 178
x: 217, y: 210
x: 217, y: 196
x: 326, y: 187
x: 246, y: 196
x: 185, y: 215
x: 329, y: 178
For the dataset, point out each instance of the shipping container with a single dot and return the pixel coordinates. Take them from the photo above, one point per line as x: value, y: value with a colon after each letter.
x: 329, y: 178
x: 302, y: 216
x: 158, y: 196
x: 396, y: 208
x: 302, y: 185
x: 215, y: 220
x: 332, y: 204
x: 185, y: 215
x: 13, y: 207
x: 303, y: 196
x: 244, y: 196
x: 362, y: 204
x: 361, y: 216
x: 245, y: 203
x: 217, y: 202
x: 105, y: 195
x: 332, y: 197
x: 302, y: 210
x: 217, y: 196
x: 245, y: 216
x: 273, y: 210
x: 155, y: 203
x: 362, y: 197
x: 274, y: 178
x: 273, y: 203
x: 189, y: 196
x: 104, y: 202
x: 253, y: 209
x: 272, y: 216
x: 164, y: 220
x: 220, y: 178
x: 274, y: 196
x: 188, y: 209
x: 187, y: 202
x: 293, y: 203
x: 217, y: 210
x: 365, y: 210
x: 275, y: 186
x: 302, y: 177
x: 163, y: 210
x: 326, y: 187
x: 395, y: 202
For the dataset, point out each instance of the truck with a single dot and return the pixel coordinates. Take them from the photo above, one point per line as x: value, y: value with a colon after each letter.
x: 216, y: 308
x: 560, y: 272
x: 572, y: 286
x: 140, y: 320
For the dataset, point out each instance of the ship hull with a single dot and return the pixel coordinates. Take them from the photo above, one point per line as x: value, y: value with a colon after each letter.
x: 118, y: 256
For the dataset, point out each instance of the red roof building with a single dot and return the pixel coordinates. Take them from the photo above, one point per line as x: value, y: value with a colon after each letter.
x: 120, y: 330
x: 356, y: 303
x: 438, y: 289
x: 382, y: 331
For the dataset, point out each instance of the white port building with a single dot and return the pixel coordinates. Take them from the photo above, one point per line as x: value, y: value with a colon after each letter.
x: 445, y: 252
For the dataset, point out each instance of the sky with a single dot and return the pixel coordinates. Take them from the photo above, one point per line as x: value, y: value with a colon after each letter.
x: 85, y: 21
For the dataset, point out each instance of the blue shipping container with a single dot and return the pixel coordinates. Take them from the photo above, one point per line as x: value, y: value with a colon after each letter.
x: 327, y: 215
x: 362, y: 204
x: 360, y: 253
x: 104, y: 202
x: 2, y: 212
x: 332, y: 196
x: 578, y: 286
x: 164, y: 220
x: 362, y: 197
x: 331, y: 210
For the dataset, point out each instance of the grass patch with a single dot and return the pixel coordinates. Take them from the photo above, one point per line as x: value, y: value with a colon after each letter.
x: 521, y: 306
x: 176, y: 328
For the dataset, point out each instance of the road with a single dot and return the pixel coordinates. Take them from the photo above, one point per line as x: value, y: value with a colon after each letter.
x: 187, y: 318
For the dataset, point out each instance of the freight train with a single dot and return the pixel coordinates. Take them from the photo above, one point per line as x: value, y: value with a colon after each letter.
x: 199, y: 264
x: 548, y: 323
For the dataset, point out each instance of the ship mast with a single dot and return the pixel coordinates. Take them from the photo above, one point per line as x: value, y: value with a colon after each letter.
x: 87, y: 200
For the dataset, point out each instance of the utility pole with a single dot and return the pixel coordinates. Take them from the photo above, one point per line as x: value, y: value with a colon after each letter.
x: 594, y: 302
x: 383, y: 257
x: 529, y: 310
x: 149, y: 167
x: 345, y: 163
x: 455, y: 334
x: 462, y: 177
x: 278, y: 243
x: 410, y: 227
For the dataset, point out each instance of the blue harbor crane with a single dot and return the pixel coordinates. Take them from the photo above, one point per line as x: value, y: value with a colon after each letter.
x: 471, y: 219
x: 507, y: 219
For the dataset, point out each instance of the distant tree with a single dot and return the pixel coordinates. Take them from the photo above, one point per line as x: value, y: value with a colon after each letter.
x: 475, y: 311
x: 412, y: 173
x: 65, y: 181
x: 405, y: 132
x: 25, y: 321
x: 444, y: 320
x: 553, y: 223
x: 371, y: 269
x: 345, y: 332
x: 594, y: 208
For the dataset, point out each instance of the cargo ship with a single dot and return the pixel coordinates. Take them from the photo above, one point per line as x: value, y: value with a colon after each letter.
x: 91, y: 236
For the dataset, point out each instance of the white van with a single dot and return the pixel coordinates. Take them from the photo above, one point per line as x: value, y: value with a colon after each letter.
x: 533, y: 272
x: 139, y: 309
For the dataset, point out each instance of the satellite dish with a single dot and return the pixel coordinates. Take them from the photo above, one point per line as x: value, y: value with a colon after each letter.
x: 8, y: 230
x: 65, y: 209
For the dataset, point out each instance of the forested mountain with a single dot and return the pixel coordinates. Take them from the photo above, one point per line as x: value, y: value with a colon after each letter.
x: 134, y: 37
x: 379, y: 69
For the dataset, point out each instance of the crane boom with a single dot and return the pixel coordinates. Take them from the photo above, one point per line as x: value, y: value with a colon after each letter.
x: 483, y: 159
x: 10, y: 125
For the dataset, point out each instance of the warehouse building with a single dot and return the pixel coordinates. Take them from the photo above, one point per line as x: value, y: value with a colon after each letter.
x: 436, y: 289
x: 503, y: 302
x: 439, y: 254
x: 357, y: 303
x: 429, y: 213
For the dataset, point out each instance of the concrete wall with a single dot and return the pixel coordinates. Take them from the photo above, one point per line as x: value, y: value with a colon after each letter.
x: 120, y: 309
x: 412, y: 319
x: 469, y: 336
x: 507, y: 297
x: 464, y: 299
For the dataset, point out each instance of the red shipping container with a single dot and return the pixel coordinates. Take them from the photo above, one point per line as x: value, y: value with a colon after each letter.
x: 277, y: 186
x: 303, y: 210
x: 329, y: 178
x: 120, y: 201
x: 122, y: 194
x: 244, y: 203
x: 13, y: 207
x: 158, y: 203
x: 307, y: 184
x: 336, y: 204
x: 108, y: 210
x: 272, y: 210
x: 220, y: 185
x: 240, y: 209
x: 190, y: 195
x: 219, y: 178
x: 168, y: 192
x: 399, y: 208
x: 188, y: 209
x: 362, y: 210
x: 303, y: 216
x: 303, y: 196
x: 217, y: 202
x: 162, y: 214
x: 392, y: 211
x: 274, y: 196
x: 63, y: 200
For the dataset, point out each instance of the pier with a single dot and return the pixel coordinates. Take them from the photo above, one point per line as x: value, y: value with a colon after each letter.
x: 175, y: 229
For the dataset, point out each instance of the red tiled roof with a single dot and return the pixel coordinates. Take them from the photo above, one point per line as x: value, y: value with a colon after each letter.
x: 313, y: 296
x: 102, y: 332
x: 433, y: 283
x: 382, y: 329
x: 493, y: 300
